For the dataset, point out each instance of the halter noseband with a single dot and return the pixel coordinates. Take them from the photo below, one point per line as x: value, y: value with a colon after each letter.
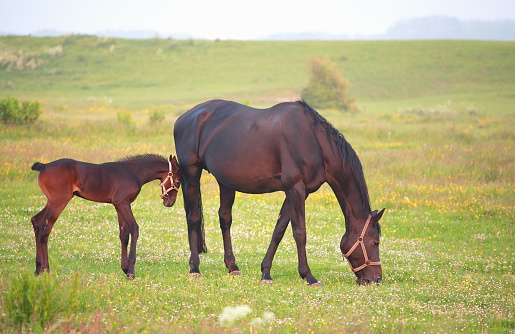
x: 172, y: 184
x: 360, y: 242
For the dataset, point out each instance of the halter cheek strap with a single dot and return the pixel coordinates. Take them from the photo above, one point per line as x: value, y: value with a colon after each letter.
x: 360, y: 242
x: 172, y: 184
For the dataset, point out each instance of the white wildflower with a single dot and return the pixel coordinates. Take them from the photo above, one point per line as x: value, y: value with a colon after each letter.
x: 230, y: 314
x: 268, y: 316
x: 257, y: 322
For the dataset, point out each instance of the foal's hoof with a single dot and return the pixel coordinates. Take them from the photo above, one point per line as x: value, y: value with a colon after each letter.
x: 235, y: 273
x: 195, y: 275
x: 131, y: 276
x: 317, y: 283
x: 266, y: 281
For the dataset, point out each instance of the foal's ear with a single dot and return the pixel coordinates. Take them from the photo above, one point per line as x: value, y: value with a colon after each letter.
x: 174, y: 162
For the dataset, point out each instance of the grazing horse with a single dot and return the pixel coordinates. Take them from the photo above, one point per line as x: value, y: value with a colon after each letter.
x: 288, y: 147
x: 116, y: 182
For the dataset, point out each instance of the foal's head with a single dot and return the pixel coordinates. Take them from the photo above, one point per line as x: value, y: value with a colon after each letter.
x: 171, y: 182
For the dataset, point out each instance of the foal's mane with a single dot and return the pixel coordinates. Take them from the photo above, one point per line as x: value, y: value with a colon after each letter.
x: 347, y: 153
x: 142, y: 156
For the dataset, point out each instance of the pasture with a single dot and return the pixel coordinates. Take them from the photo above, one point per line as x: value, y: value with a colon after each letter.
x: 435, y: 138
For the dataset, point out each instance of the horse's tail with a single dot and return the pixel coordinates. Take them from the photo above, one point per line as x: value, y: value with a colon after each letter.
x: 202, y: 248
x: 38, y: 166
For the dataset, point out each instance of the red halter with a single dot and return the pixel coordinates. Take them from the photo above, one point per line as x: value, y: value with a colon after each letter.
x: 172, y: 184
x: 360, y: 242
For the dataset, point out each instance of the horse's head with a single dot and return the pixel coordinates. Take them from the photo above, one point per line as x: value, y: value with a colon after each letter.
x: 361, y: 248
x: 171, y: 182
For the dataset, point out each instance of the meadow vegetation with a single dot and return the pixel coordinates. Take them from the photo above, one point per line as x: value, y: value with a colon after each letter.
x: 435, y: 137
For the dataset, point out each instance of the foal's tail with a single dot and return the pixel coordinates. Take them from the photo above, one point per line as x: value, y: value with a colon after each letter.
x: 38, y: 166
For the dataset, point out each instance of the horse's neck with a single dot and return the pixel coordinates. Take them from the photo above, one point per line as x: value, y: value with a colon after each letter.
x: 347, y: 192
x: 148, y: 171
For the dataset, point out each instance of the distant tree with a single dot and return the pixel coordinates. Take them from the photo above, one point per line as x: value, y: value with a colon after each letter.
x: 327, y: 88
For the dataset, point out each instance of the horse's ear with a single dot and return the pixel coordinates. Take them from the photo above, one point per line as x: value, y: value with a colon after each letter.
x: 377, y: 215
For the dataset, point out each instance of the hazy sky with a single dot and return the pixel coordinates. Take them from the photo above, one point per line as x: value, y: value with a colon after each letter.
x: 233, y: 19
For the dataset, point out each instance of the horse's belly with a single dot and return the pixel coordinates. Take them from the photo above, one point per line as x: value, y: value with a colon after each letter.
x: 245, y: 181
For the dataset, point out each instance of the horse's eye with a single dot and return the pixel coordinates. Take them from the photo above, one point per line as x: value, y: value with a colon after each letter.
x: 376, y: 244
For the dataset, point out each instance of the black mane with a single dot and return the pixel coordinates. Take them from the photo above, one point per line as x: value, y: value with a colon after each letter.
x: 347, y: 153
x: 141, y: 156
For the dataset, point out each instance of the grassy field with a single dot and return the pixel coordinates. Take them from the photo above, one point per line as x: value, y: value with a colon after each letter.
x: 435, y: 137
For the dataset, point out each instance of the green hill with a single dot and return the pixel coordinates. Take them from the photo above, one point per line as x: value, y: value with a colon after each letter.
x: 386, y: 75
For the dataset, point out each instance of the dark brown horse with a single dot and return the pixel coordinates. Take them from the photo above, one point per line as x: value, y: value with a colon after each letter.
x: 290, y: 148
x: 116, y: 182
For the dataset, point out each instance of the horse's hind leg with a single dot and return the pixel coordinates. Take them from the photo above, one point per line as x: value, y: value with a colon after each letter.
x: 193, y: 208
x: 277, y: 236
x: 36, y: 225
x: 128, y: 227
x: 42, y: 224
x: 225, y: 215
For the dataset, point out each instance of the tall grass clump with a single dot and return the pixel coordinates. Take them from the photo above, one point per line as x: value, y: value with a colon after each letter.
x: 125, y: 118
x: 327, y: 88
x: 156, y: 116
x: 14, y: 112
x: 34, y: 302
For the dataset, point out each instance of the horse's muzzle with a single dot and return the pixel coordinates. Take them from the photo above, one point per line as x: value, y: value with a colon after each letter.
x: 365, y: 280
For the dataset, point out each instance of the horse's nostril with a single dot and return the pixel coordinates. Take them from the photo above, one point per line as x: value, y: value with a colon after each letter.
x: 363, y: 281
x: 378, y: 280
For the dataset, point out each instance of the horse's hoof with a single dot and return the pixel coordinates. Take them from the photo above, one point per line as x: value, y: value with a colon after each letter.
x: 195, y: 274
x: 317, y: 283
x: 266, y: 281
x: 131, y: 276
x: 235, y: 273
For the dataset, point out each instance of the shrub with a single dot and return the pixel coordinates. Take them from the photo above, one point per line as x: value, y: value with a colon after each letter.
x: 156, y: 116
x: 125, y: 117
x: 327, y: 87
x: 14, y: 112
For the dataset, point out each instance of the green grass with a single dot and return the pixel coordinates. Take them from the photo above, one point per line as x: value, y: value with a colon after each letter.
x: 138, y: 72
x: 444, y: 170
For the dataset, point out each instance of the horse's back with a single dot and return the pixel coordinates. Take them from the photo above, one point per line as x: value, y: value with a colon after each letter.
x: 231, y: 118
x: 228, y: 125
x: 249, y: 149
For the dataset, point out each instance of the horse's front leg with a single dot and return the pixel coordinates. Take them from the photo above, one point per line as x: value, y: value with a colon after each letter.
x: 277, y: 236
x: 225, y: 215
x: 128, y: 227
x: 296, y: 202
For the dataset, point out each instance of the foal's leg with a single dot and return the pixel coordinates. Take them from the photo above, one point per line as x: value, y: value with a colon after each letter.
x: 277, y: 236
x: 42, y: 224
x: 225, y: 214
x: 128, y: 227
x: 193, y: 208
x: 296, y: 202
